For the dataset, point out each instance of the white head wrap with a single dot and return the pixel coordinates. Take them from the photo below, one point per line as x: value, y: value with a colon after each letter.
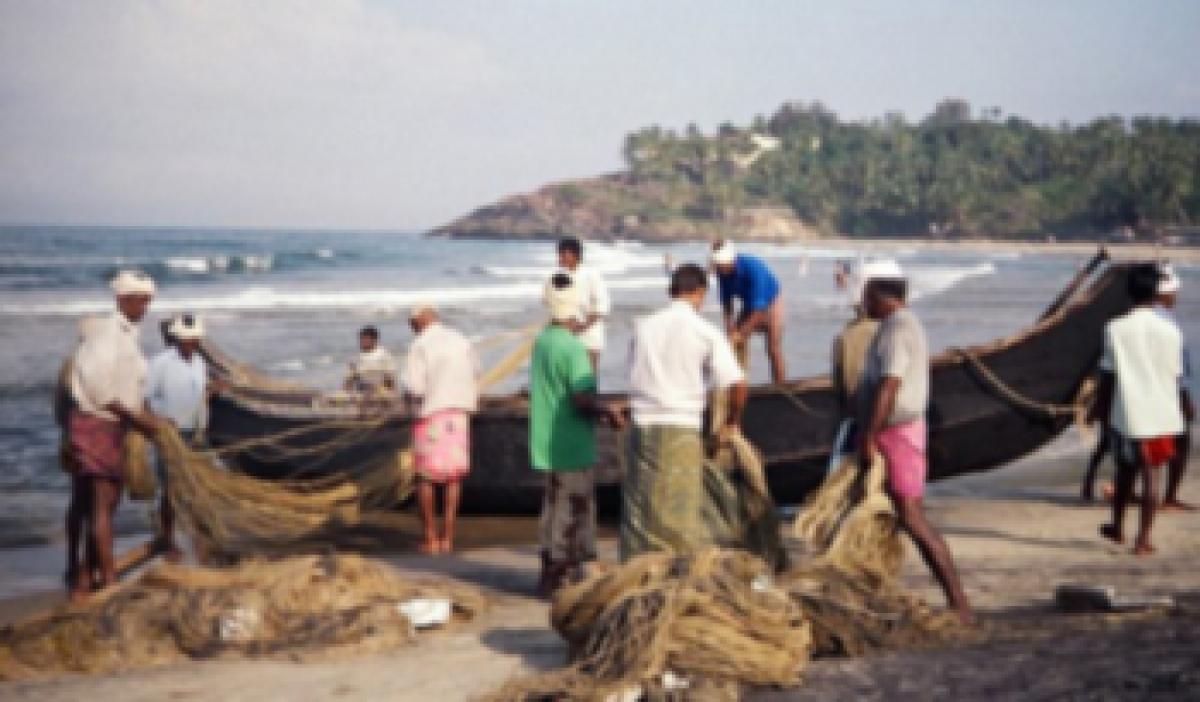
x: 186, y: 328
x: 724, y: 255
x: 129, y: 282
x: 563, y: 303
x: 420, y: 309
x: 1169, y: 284
x: 884, y: 269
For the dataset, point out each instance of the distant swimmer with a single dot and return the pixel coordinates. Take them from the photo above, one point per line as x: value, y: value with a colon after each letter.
x: 747, y: 279
x: 374, y: 371
x: 1141, y: 367
x: 594, y: 303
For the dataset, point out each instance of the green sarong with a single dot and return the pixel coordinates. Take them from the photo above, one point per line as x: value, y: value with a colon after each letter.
x: 674, y: 498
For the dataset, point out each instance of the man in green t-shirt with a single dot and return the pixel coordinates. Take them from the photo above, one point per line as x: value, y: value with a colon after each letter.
x: 562, y: 440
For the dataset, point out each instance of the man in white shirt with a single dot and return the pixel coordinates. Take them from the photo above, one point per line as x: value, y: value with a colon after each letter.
x: 1139, y: 394
x: 374, y: 371
x: 441, y: 377
x: 177, y: 390
x: 594, y: 303
x: 676, y: 357
x: 107, y: 382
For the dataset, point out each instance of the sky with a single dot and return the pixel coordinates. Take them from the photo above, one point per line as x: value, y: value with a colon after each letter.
x: 368, y: 114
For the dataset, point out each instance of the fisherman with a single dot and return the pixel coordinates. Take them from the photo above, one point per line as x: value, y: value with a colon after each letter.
x: 1139, y: 393
x: 563, y: 407
x: 850, y: 347
x: 441, y: 377
x: 594, y: 303
x: 676, y: 357
x: 177, y: 389
x: 1168, y: 294
x: 748, y: 279
x: 107, y: 389
x: 374, y: 371
x: 893, y: 399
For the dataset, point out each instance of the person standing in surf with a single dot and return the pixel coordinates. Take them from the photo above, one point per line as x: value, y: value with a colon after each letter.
x: 747, y: 279
x: 441, y: 376
x: 107, y: 387
x: 893, y: 399
x: 594, y: 302
x: 1141, y: 367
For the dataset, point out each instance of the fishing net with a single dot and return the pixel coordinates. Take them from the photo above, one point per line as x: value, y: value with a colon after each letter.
x: 301, y: 608
x: 232, y: 513
x: 704, y: 625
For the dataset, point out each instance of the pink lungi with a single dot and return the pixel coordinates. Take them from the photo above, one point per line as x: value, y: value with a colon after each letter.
x: 97, y: 446
x: 903, y: 448
x: 442, y: 446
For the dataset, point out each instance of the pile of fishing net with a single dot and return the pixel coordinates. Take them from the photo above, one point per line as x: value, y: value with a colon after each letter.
x: 702, y: 626
x: 230, y: 513
x: 301, y: 607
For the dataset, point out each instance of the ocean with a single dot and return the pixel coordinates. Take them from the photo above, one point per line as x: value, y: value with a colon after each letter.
x: 291, y: 302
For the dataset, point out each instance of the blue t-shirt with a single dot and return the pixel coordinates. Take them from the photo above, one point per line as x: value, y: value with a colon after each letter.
x: 751, y: 282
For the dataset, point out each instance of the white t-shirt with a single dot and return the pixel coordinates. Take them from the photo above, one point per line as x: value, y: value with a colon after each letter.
x: 676, y: 356
x: 593, y: 300
x: 442, y: 369
x: 371, y: 371
x: 109, y: 367
x: 175, y: 388
x: 1145, y: 353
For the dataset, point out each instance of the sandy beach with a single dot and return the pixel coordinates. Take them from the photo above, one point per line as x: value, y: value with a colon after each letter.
x: 1016, y: 534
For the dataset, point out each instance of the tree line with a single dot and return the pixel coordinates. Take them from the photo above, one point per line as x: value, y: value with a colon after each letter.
x: 953, y: 173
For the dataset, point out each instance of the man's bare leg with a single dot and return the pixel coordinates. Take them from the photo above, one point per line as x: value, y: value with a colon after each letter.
x: 935, y: 554
x: 428, y: 508
x: 106, y: 494
x: 1115, y: 530
x: 78, y: 577
x: 594, y: 356
x: 451, y: 497
x: 1175, y: 470
x: 1088, y: 491
x: 775, y: 354
x: 1142, y: 545
x: 166, y: 527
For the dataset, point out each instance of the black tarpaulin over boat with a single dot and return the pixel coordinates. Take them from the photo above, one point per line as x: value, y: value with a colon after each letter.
x: 989, y: 405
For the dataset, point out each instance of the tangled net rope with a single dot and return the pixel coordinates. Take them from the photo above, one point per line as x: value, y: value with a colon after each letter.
x: 301, y: 607
x: 707, y: 624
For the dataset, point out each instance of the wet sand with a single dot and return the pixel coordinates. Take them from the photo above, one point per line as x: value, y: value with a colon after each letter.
x: 1013, y: 545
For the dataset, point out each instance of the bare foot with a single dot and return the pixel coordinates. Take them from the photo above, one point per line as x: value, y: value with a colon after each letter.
x: 430, y: 548
x: 967, y: 618
x: 446, y: 545
x: 1177, y: 506
x: 1110, y: 532
x: 1143, y: 548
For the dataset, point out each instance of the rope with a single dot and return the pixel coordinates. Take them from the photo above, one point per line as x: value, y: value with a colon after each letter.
x: 1009, y: 393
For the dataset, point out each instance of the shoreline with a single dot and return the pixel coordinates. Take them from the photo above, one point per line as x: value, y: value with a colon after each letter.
x: 1012, y: 545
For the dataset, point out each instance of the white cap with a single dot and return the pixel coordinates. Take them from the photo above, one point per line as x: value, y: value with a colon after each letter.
x: 1169, y: 283
x: 186, y: 328
x: 724, y: 254
x: 421, y: 309
x: 884, y: 269
x: 129, y: 282
x: 563, y: 303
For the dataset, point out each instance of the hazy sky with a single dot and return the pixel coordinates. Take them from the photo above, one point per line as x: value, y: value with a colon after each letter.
x: 374, y: 114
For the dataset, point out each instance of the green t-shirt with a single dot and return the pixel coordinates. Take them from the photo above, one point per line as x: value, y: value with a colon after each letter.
x: 560, y: 436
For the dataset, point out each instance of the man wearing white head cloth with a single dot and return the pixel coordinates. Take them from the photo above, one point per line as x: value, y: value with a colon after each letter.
x: 107, y: 386
x: 749, y: 280
x: 1168, y: 294
x: 177, y: 390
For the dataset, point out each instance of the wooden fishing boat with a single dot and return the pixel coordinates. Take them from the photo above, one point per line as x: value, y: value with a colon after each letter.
x: 989, y: 405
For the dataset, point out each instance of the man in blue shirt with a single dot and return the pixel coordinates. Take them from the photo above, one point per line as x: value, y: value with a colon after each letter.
x: 748, y: 279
